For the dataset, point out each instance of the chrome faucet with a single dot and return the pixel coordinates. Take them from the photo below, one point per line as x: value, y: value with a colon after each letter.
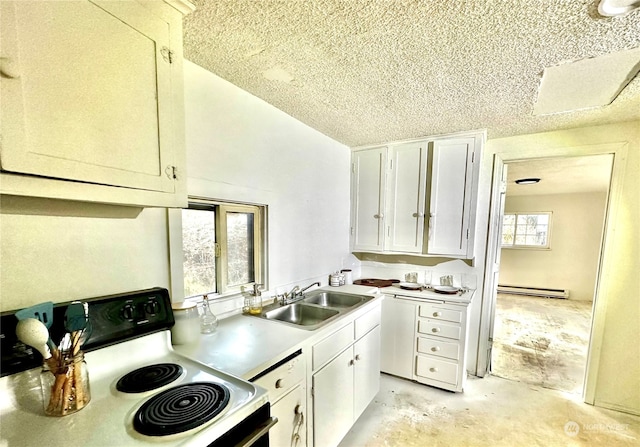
x: 296, y: 294
x: 308, y: 287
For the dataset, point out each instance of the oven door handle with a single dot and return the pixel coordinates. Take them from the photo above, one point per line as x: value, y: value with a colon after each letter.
x: 258, y: 432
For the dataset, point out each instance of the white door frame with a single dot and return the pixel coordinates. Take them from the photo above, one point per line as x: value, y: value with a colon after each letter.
x: 619, y: 152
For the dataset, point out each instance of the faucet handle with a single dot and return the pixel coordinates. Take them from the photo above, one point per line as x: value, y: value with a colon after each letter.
x: 257, y: 289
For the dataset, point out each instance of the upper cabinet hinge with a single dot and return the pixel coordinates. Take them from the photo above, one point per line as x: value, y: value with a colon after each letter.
x: 217, y: 250
x: 171, y: 172
x: 473, y: 157
x: 167, y: 54
x: 351, y: 231
x: 467, y: 233
x: 391, y: 163
x: 353, y: 168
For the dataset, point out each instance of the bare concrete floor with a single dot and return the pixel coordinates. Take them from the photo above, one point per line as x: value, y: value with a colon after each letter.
x: 491, y: 412
x: 541, y: 341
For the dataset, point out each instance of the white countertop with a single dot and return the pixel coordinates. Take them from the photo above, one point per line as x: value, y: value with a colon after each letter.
x: 245, y: 345
x: 464, y: 298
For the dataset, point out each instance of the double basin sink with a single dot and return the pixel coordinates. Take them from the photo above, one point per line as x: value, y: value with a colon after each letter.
x: 314, y: 309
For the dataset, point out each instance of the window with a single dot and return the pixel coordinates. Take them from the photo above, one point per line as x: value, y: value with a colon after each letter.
x: 222, y: 247
x: 529, y: 230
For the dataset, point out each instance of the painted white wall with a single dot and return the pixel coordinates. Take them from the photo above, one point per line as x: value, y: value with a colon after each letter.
x: 55, y: 250
x: 614, y: 363
x: 571, y: 262
x: 241, y: 148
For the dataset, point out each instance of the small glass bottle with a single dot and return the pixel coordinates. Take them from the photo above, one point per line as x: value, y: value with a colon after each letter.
x: 208, y: 321
x: 65, y: 385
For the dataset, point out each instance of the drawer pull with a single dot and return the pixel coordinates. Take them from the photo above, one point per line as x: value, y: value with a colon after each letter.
x: 433, y: 370
x: 279, y: 384
x: 435, y: 330
x: 437, y: 314
x: 435, y: 348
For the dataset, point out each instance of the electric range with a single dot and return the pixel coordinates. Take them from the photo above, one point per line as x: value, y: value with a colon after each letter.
x: 142, y: 391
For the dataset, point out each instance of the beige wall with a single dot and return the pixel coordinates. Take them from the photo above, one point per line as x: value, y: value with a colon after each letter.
x: 571, y: 262
x: 54, y: 250
x: 614, y: 364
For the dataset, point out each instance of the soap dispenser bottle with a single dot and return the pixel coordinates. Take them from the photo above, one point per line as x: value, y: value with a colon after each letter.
x: 255, y: 303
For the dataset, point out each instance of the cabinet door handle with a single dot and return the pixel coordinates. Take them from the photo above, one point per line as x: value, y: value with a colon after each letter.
x: 378, y: 216
x: 357, y: 356
x: 279, y: 383
x: 435, y: 329
x: 435, y: 348
x: 351, y: 362
x: 433, y: 370
x: 437, y: 314
x: 418, y: 214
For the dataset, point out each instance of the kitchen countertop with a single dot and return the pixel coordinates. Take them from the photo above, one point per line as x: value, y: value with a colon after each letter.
x: 245, y: 345
x: 465, y: 298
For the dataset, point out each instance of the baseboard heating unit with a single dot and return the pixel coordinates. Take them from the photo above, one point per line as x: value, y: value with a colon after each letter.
x: 534, y: 291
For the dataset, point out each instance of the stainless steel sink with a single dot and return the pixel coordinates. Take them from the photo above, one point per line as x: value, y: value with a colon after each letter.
x: 332, y: 299
x: 301, y: 314
x: 314, y: 310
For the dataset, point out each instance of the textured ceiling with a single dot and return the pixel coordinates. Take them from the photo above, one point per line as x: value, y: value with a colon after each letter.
x: 372, y: 71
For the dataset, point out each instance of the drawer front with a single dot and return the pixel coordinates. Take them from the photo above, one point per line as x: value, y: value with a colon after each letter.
x: 439, y: 347
x: 435, y: 312
x: 332, y: 345
x: 439, y: 329
x: 367, y: 322
x: 437, y: 369
x: 283, y: 378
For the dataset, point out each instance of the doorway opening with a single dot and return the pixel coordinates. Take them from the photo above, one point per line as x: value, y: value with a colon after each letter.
x: 547, y: 273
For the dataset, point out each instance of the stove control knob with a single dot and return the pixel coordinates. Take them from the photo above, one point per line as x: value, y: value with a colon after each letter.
x: 128, y: 312
x: 152, y: 307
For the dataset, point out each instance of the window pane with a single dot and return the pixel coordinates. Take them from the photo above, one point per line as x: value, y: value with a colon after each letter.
x: 240, y: 249
x: 508, y: 229
x: 198, y: 244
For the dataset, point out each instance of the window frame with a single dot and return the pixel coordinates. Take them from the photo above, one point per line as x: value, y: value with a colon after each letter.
x: 515, y: 233
x: 220, y: 209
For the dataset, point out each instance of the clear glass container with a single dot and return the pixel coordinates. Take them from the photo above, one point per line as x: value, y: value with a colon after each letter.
x: 208, y: 321
x: 65, y: 385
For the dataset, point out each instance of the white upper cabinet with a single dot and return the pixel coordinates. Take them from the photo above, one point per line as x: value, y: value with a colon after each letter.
x: 451, y: 205
x: 369, y: 183
x: 392, y: 186
x: 389, y: 198
x: 92, y: 94
x: 406, y: 188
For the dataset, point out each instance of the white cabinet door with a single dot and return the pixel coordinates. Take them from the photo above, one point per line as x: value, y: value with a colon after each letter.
x: 397, y: 337
x: 333, y: 400
x: 368, y: 199
x: 450, y: 199
x: 88, y: 96
x: 367, y: 370
x: 406, y: 188
x: 290, y: 411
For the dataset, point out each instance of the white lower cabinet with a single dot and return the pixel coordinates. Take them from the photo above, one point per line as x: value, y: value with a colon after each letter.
x: 425, y: 341
x: 287, y: 393
x: 441, y: 338
x: 344, y: 387
x: 397, y: 337
x: 291, y: 427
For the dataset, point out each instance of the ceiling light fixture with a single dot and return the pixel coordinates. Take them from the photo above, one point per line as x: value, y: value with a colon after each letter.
x: 611, y: 8
x: 527, y: 181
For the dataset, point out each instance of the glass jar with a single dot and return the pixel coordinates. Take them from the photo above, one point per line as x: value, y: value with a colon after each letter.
x: 208, y: 321
x: 65, y: 385
x: 187, y: 326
